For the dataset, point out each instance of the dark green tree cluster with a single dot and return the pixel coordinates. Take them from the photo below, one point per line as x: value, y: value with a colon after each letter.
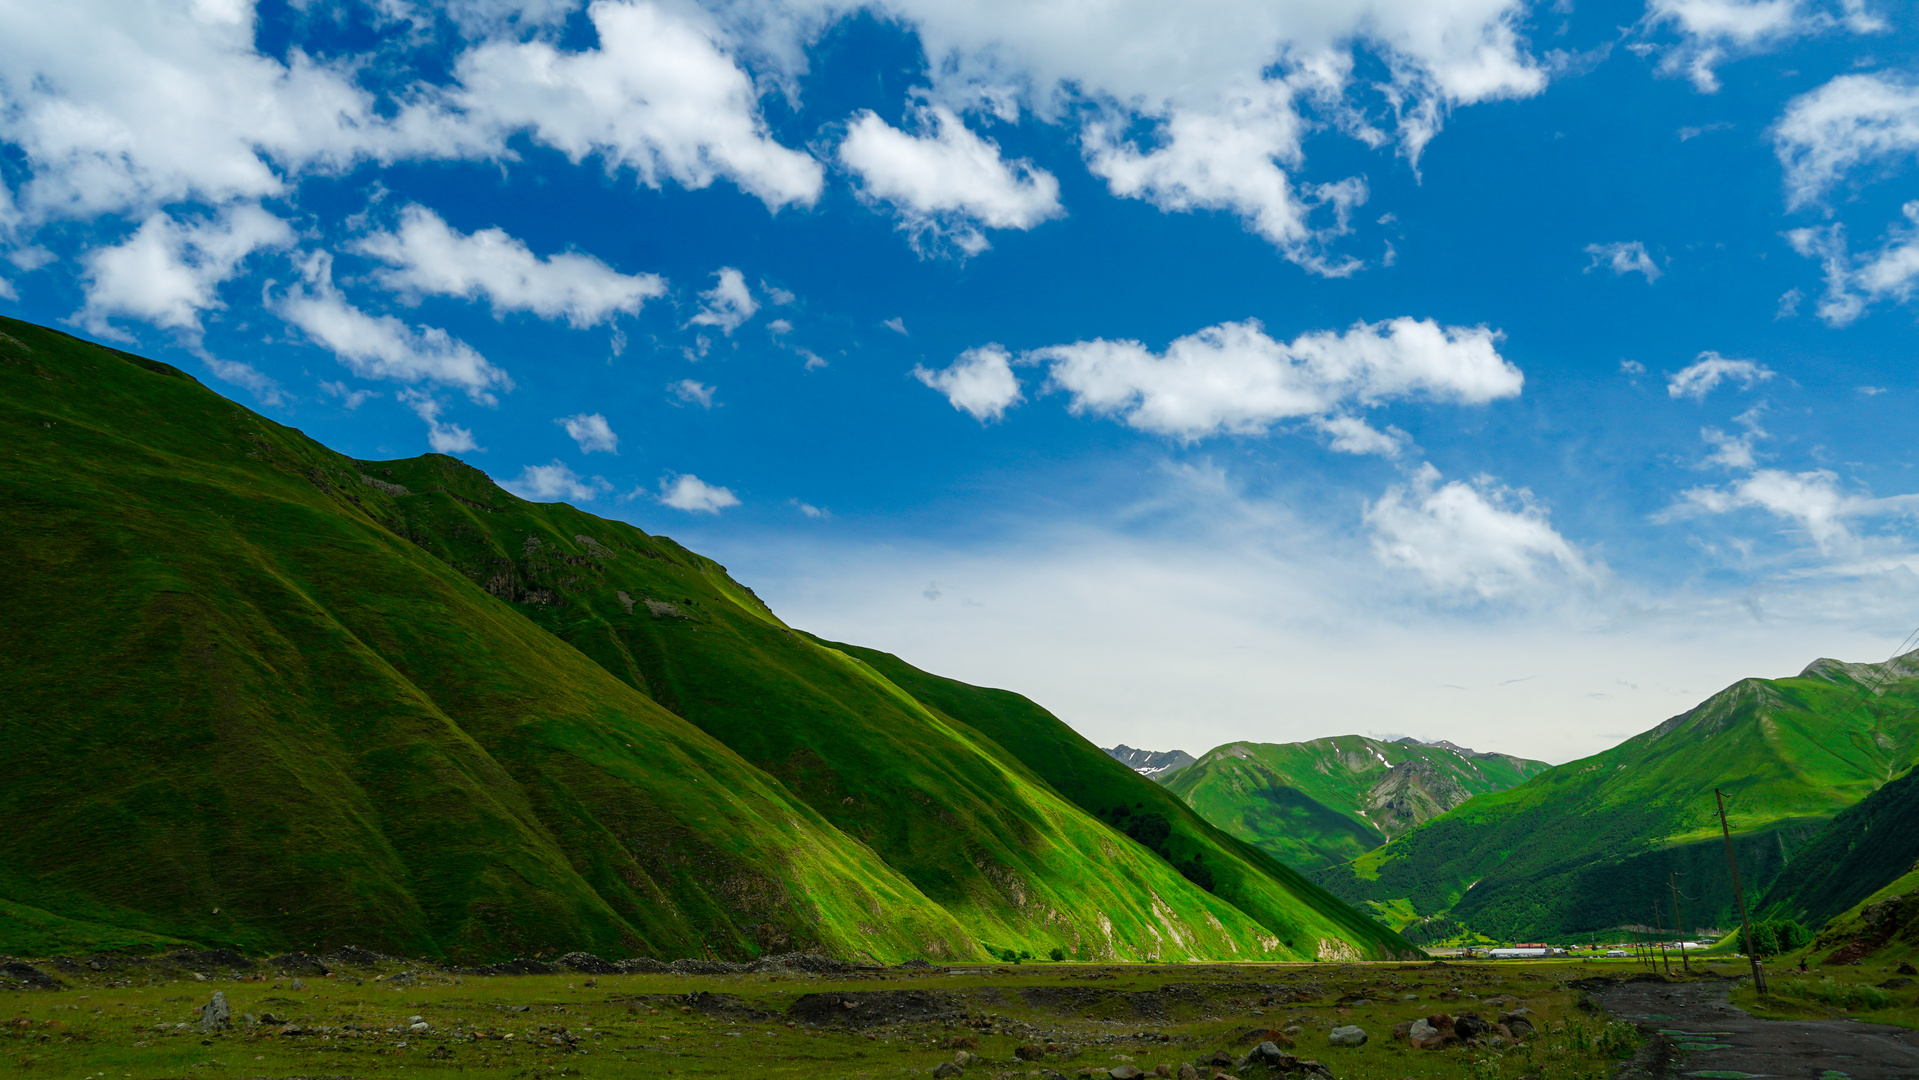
x: 1773, y: 938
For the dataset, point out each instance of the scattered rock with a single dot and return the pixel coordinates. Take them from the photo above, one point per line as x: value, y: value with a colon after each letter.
x: 1187, y: 1072
x: 962, y: 1042
x: 947, y: 1069
x: 1470, y: 1026
x: 644, y: 965
x: 1126, y: 1072
x: 1906, y: 968
x: 587, y: 964
x: 216, y: 1015
x: 966, y: 1059
x: 298, y: 963
x: 28, y: 976
x: 1895, y: 984
x: 1028, y: 1053
x: 1269, y: 1055
x: 1350, y: 1035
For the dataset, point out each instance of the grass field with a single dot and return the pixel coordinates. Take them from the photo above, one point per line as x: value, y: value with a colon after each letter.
x: 119, y: 1025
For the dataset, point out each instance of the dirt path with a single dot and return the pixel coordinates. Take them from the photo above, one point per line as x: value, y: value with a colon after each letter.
x: 1714, y: 1039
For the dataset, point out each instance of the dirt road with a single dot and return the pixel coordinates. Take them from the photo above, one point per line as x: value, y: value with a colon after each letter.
x: 1713, y: 1039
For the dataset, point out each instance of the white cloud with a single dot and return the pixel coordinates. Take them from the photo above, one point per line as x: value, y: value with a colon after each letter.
x: 779, y: 327
x: 443, y: 437
x: 1736, y: 451
x: 592, y: 432
x: 690, y: 493
x: 1624, y: 258
x: 728, y: 303
x: 350, y: 399
x: 947, y: 184
x: 241, y: 373
x: 1850, y: 122
x: 1854, y: 283
x: 553, y: 483
x: 124, y: 107
x: 169, y: 271
x: 693, y: 392
x: 980, y: 382
x: 429, y: 258
x: 1231, y: 160
x: 1482, y: 538
x: 810, y: 510
x: 1234, y: 378
x: 814, y: 360
x: 895, y: 324
x: 1351, y: 435
x: 383, y: 347
x: 1810, y: 498
x: 1715, y: 31
x: 659, y: 95
x: 1703, y: 375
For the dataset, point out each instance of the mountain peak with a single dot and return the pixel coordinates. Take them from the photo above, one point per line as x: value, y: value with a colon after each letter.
x: 1156, y: 764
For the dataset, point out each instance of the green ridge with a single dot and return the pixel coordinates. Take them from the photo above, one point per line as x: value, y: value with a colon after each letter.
x: 1588, y: 845
x: 268, y: 696
x: 1314, y: 804
x: 1868, y: 846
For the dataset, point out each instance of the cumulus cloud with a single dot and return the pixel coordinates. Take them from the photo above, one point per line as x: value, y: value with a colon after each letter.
x: 1715, y: 31
x: 1850, y: 122
x: 427, y: 257
x: 1703, y: 375
x: 981, y: 382
x: 444, y: 438
x: 660, y: 94
x: 592, y: 432
x: 728, y: 303
x: 690, y: 493
x: 1234, y: 378
x: 124, y: 107
x: 1812, y: 499
x: 169, y: 271
x: 947, y: 184
x: 1232, y: 160
x: 693, y: 392
x: 241, y: 373
x: 1480, y: 539
x: 1351, y: 435
x: 553, y: 483
x: 1624, y: 258
x: 1856, y: 282
x: 381, y: 346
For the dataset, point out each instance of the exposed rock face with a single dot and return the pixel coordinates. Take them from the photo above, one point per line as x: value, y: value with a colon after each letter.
x: 1158, y: 764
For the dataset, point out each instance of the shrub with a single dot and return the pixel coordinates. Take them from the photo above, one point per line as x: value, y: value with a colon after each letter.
x: 1058, y: 955
x: 1829, y: 991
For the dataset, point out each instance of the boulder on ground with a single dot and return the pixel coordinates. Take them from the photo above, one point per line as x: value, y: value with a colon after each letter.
x: 1187, y: 1072
x: 967, y: 1059
x: 947, y: 1069
x: 1126, y: 1072
x: 1470, y: 1025
x: 961, y: 1042
x: 1350, y: 1035
x: 1028, y: 1053
x: 216, y: 1015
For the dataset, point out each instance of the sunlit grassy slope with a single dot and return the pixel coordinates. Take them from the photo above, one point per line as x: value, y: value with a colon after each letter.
x: 266, y: 695
x: 1589, y: 844
x: 1026, y: 735
x: 1316, y: 803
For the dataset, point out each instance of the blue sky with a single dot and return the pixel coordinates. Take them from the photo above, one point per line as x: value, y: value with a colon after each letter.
x: 1511, y: 373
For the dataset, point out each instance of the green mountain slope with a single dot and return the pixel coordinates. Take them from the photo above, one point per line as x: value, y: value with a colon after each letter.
x: 1588, y: 845
x: 1869, y: 845
x: 277, y: 697
x: 1314, y: 804
x: 1287, y: 904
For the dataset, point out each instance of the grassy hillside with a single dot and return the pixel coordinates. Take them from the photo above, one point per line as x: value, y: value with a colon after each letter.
x: 1314, y: 804
x: 1026, y: 735
x: 1869, y: 845
x: 1588, y: 845
x: 270, y: 696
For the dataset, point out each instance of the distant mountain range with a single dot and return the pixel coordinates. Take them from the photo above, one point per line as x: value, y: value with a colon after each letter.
x: 267, y: 696
x: 1158, y: 765
x: 1321, y: 802
x: 1589, y: 845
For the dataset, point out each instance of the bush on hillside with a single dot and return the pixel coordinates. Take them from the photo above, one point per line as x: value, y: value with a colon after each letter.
x: 1773, y: 938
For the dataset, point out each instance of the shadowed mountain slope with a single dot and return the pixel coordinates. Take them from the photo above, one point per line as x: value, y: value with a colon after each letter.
x: 269, y: 696
x: 1588, y: 845
x: 1314, y: 804
x: 1868, y: 846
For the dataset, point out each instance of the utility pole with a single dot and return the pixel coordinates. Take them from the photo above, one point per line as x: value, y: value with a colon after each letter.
x: 1678, y: 926
x: 1739, y: 894
x: 1660, y: 933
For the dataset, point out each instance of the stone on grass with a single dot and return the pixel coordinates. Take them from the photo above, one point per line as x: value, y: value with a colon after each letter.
x: 1029, y: 1053
x: 1187, y: 1072
x: 1126, y: 1072
x: 216, y: 1015
x: 947, y: 1069
x: 966, y: 1059
x: 1350, y: 1035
